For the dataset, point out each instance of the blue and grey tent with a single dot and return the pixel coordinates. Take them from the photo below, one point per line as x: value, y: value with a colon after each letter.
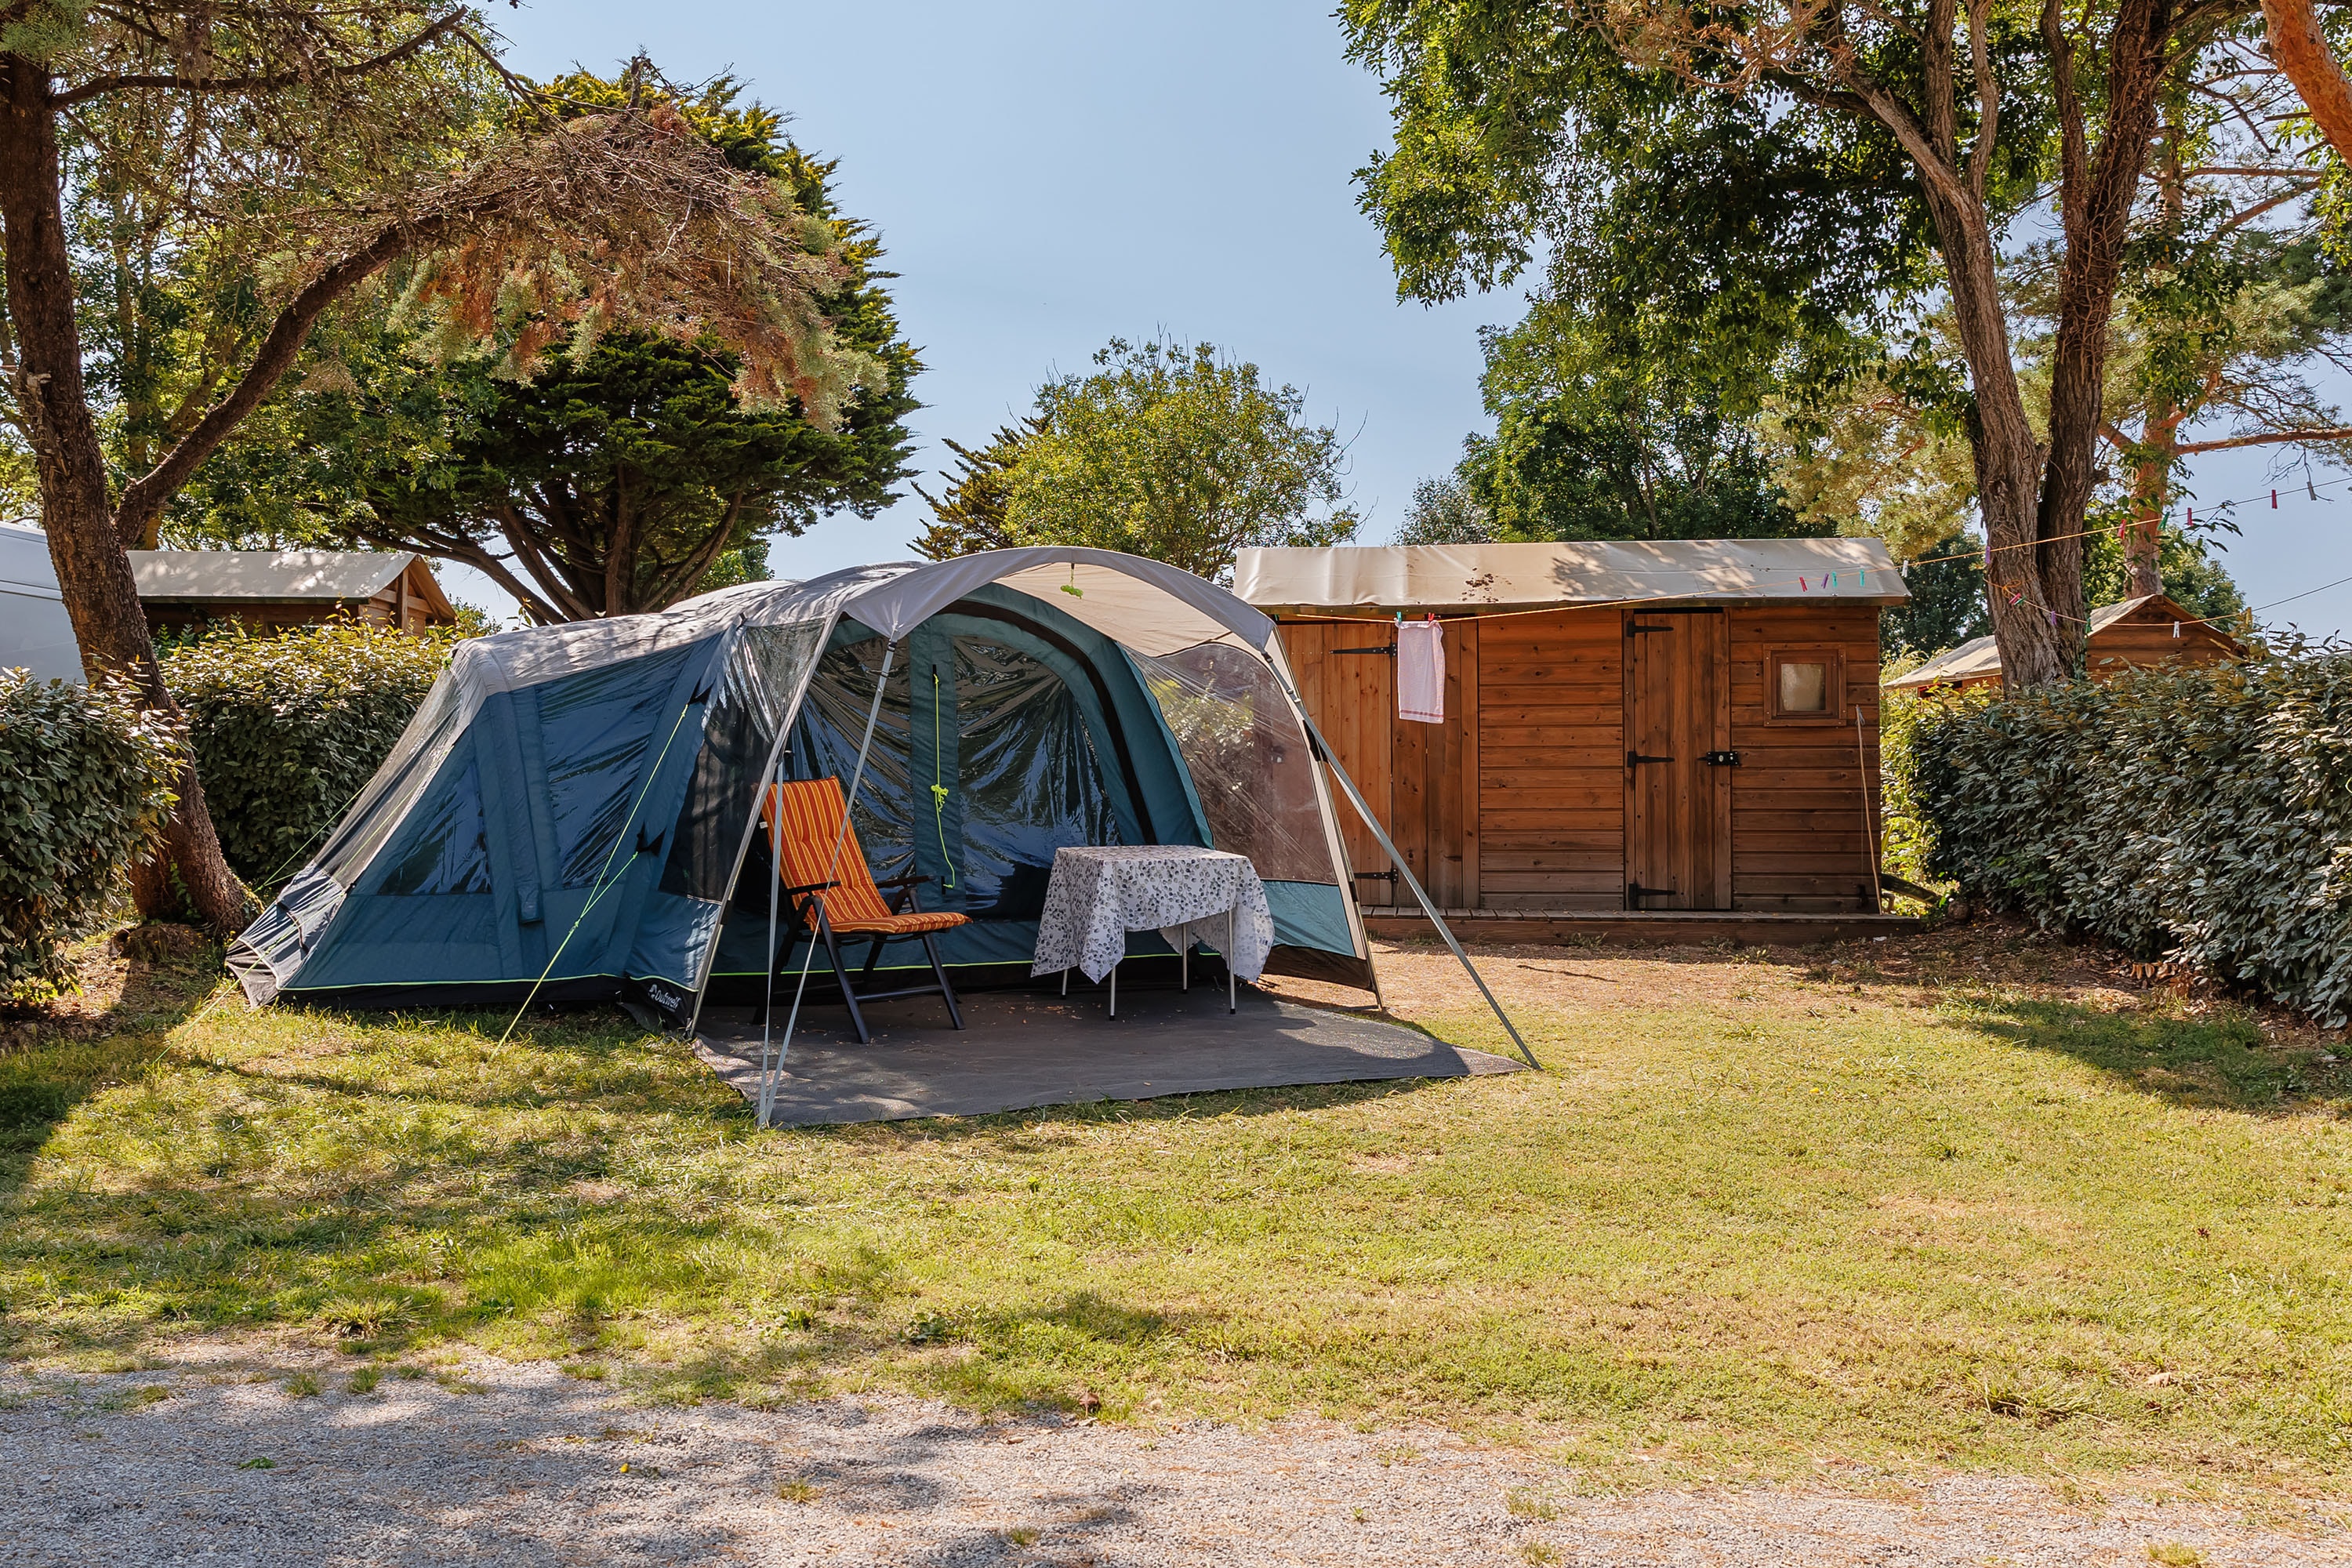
x: 572, y: 811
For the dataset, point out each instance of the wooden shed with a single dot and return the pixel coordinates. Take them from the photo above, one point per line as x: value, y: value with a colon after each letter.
x: 268, y: 590
x: 1631, y: 729
x: 2134, y: 634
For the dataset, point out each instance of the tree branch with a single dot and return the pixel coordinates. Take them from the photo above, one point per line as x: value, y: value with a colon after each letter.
x: 2267, y: 438
x: 267, y: 81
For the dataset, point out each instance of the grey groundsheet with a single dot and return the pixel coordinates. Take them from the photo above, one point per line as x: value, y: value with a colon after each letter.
x: 1021, y: 1048
x: 518, y: 1467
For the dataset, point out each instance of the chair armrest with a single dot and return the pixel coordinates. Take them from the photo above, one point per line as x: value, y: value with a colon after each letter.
x: 905, y: 895
x: 814, y: 888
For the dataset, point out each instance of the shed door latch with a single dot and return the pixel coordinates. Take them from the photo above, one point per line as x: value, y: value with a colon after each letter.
x: 1721, y: 759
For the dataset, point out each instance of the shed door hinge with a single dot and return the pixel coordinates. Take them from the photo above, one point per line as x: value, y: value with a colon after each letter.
x: 1375, y: 876
x: 1634, y: 759
x: 1386, y: 647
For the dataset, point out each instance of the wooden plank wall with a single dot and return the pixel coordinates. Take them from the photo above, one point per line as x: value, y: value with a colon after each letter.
x: 1353, y: 699
x: 2145, y: 638
x: 1518, y: 801
x: 1551, y: 761
x: 1797, y: 832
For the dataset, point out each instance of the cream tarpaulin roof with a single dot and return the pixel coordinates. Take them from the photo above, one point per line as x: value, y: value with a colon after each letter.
x: 1523, y: 577
x: 336, y: 575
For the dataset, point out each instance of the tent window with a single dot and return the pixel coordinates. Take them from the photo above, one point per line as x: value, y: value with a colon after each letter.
x: 1248, y: 758
x: 1028, y: 776
x: 600, y: 730
x: 442, y: 848
x: 746, y: 707
x: 824, y: 744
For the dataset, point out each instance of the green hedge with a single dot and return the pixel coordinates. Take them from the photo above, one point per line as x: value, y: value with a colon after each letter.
x: 288, y: 728
x: 85, y: 781
x: 2203, y: 815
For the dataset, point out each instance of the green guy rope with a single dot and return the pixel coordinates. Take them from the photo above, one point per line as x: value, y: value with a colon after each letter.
x: 939, y: 790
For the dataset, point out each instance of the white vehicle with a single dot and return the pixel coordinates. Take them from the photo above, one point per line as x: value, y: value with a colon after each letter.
x: 34, y: 634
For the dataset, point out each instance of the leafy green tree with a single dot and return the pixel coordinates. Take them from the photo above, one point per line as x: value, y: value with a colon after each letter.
x: 968, y: 516
x: 620, y: 478
x: 323, y: 146
x: 1601, y: 435
x: 1446, y: 512
x: 1182, y: 455
x: 1946, y: 607
x: 1898, y: 155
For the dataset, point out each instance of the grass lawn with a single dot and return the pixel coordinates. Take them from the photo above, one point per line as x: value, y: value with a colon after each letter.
x: 1947, y: 1201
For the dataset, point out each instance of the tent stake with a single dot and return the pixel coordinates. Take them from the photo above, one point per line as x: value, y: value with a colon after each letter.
x: 833, y: 863
x: 1429, y: 907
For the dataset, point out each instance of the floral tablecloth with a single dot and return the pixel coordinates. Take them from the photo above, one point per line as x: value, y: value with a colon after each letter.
x: 1097, y: 895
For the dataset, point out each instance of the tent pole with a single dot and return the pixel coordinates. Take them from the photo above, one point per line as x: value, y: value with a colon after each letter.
x: 775, y: 891
x: 833, y: 863
x: 1331, y: 760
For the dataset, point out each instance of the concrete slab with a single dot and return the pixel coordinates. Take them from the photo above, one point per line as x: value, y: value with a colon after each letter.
x: 1024, y: 1048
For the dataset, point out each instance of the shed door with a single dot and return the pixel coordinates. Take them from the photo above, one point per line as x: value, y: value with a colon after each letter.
x: 1349, y: 682
x: 1677, y: 803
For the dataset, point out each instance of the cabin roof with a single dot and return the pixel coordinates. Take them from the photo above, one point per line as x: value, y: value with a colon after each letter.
x: 1978, y: 659
x: 281, y: 576
x: 1492, y: 577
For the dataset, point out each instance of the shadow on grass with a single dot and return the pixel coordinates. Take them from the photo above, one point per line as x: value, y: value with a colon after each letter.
x: 2215, y: 1064
x: 50, y: 1063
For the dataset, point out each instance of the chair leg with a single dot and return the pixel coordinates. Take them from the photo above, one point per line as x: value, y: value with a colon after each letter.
x: 873, y: 957
x: 947, y: 992
x: 841, y: 975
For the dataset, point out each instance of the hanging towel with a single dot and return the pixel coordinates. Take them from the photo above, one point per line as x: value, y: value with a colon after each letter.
x: 1421, y: 672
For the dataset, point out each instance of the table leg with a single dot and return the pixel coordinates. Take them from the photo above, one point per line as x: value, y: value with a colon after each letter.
x: 1185, y: 959
x: 1066, y: 980
x: 1231, y: 1003
x: 1114, y: 990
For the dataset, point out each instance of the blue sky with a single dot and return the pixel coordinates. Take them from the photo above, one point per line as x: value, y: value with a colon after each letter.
x: 1048, y: 173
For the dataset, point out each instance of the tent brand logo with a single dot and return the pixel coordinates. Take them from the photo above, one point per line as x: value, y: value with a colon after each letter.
x: 662, y: 998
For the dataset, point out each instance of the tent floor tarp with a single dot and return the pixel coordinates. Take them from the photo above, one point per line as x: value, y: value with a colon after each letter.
x: 1021, y: 1050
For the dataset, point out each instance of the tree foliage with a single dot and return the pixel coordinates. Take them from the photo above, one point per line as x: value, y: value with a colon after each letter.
x: 621, y: 477
x: 1895, y: 156
x: 1182, y: 455
x: 304, y: 152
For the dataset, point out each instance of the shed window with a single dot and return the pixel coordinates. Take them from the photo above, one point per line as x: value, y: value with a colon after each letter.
x: 1807, y: 684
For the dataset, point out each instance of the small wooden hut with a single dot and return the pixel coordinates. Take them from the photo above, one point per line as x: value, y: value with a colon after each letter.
x: 1684, y: 728
x: 2134, y: 634
x: 269, y: 589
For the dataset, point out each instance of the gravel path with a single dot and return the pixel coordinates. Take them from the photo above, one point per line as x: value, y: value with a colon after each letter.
x: 516, y: 1467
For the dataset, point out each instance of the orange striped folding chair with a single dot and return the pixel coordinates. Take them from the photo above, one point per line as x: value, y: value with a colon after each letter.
x: 833, y: 897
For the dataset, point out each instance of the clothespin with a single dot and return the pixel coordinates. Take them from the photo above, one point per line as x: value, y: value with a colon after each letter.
x: 1862, y: 577
x: 2121, y: 528
x: 1833, y: 583
x: 2192, y: 517
x: 2054, y: 620
x: 1801, y: 587
x: 2016, y: 597
x: 2176, y: 629
x: 2274, y: 500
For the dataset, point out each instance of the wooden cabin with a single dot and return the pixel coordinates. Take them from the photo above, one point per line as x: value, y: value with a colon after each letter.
x: 1630, y: 729
x: 269, y: 589
x: 2134, y: 634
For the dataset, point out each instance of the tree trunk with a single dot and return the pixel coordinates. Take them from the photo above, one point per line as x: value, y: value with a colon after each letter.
x: 2151, y: 479
x: 94, y: 576
x: 2302, y: 52
x: 2035, y: 647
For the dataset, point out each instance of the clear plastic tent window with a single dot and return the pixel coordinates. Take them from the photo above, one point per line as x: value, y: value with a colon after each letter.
x: 1248, y: 757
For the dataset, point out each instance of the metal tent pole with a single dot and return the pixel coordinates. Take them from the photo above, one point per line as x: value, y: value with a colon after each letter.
x: 1429, y: 907
x: 833, y: 863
